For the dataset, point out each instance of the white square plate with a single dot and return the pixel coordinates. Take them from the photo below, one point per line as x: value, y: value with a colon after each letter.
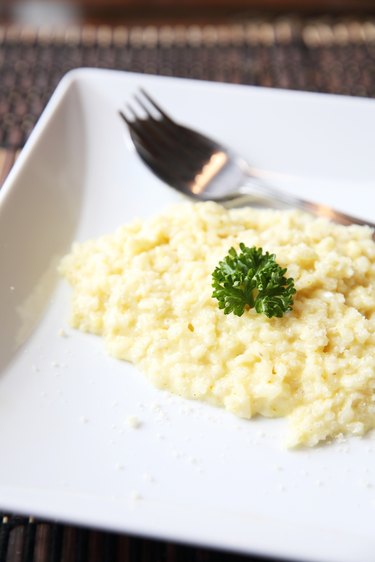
x: 191, y: 472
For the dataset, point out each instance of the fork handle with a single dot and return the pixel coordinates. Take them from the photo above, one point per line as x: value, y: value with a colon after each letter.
x: 263, y: 194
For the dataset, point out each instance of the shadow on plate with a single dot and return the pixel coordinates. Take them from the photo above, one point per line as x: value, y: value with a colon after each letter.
x: 39, y: 211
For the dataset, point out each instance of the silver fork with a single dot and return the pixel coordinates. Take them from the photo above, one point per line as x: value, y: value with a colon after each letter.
x: 203, y: 168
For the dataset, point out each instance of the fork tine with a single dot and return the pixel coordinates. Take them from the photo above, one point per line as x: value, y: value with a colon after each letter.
x: 127, y: 121
x: 188, y: 140
x: 148, y: 129
x: 172, y: 126
x: 139, y: 100
x: 183, y: 141
x: 131, y: 110
x: 148, y: 136
x: 161, y: 142
x: 169, y: 136
x: 155, y: 105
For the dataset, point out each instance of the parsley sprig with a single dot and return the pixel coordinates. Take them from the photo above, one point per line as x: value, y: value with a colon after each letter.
x: 252, y: 279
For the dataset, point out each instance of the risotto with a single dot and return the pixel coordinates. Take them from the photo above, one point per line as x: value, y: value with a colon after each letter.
x: 146, y: 289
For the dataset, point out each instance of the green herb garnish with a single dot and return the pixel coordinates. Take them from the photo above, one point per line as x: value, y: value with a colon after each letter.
x: 252, y: 279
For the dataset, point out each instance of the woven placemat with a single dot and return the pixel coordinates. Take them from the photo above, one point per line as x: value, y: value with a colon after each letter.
x: 27, y: 540
x: 336, y: 56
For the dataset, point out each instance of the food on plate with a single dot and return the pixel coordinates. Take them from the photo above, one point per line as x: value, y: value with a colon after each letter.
x: 147, y: 290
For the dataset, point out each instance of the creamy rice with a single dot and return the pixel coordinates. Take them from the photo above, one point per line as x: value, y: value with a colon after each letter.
x: 147, y: 290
